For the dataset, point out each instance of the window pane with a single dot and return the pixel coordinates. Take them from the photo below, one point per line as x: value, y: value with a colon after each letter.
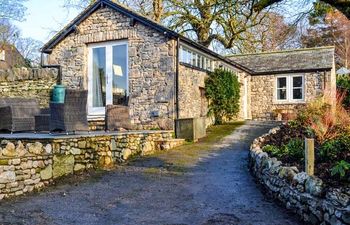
x: 194, y: 59
x: 189, y: 57
x: 282, y: 82
x: 120, y: 81
x: 99, y: 77
x: 282, y: 94
x: 297, y: 81
x: 298, y: 93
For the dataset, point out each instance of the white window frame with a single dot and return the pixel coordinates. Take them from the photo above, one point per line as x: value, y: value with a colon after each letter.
x: 290, y: 88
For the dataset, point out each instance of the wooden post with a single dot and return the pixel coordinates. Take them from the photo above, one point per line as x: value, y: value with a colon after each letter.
x: 309, y: 156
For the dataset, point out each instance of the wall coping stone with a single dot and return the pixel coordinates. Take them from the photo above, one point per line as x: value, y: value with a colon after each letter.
x: 41, y: 136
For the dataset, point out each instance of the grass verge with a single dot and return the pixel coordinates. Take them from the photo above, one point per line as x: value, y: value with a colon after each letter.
x: 180, y: 159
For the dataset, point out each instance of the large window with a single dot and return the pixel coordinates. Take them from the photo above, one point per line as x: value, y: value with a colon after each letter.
x: 290, y: 88
x: 195, y: 59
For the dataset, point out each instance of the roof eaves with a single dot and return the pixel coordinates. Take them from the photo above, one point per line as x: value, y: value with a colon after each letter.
x: 291, y: 71
x: 284, y: 51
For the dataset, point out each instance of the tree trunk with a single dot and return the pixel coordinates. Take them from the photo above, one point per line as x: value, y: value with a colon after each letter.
x: 157, y: 10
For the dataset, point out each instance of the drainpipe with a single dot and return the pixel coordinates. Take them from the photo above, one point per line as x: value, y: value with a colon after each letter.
x: 177, y: 85
x: 58, y: 67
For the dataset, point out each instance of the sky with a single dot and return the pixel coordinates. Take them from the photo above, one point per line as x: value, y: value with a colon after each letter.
x: 43, y: 18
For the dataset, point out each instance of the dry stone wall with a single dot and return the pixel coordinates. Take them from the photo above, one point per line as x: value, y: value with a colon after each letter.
x: 151, y: 56
x: 28, y: 83
x: 29, y: 164
x: 299, y: 192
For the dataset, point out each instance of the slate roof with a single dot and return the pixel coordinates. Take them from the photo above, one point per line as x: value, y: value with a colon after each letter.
x: 298, y: 60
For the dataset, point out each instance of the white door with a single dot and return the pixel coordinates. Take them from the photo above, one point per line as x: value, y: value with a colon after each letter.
x: 107, y: 76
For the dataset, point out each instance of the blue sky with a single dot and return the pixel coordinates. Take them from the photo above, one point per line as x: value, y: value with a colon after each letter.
x: 43, y: 17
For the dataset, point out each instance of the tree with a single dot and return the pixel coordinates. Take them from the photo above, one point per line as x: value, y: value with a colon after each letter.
x: 274, y: 33
x: 341, y: 5
x: 12, y: 9
x: 8, y: 32
x: 332, y: 29
x: 152, y: 9
x: 29, y: 49
x: 220, y: 20
x: 223, y: 91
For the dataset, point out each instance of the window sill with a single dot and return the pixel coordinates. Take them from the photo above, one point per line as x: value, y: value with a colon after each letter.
x: 289, y: 102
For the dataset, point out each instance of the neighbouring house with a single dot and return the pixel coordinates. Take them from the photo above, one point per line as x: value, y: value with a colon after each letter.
x: 10, y: 57
x: 121, y: 57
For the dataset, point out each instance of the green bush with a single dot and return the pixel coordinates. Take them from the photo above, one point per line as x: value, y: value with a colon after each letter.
x: 329, y: 150
x: 273, y: 151
x: 332, y: 149
x: 223, y: 91
x: 295, y: 149
x: 341, y: 168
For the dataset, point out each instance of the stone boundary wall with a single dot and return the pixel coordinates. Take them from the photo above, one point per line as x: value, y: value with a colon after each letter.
x: 303, y: 194
x: 29, y: 83
x: 30, y: 164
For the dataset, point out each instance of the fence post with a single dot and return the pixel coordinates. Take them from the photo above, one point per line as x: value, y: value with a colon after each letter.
x: 309, y: 156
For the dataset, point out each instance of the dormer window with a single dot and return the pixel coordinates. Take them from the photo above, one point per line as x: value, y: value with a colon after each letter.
x: 2, y: 55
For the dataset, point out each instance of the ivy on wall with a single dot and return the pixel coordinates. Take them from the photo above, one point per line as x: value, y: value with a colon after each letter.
x: 223, y: 92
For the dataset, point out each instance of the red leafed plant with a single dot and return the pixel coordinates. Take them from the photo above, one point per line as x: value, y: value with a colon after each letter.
x: 327, y: 119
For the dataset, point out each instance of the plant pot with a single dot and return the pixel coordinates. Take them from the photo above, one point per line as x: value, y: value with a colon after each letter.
x: 58, y: 94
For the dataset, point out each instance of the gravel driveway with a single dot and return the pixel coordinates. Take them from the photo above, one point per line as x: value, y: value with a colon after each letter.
x: 216, y: 190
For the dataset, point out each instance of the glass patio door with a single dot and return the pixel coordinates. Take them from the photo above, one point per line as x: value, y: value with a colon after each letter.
x: 108, y: 76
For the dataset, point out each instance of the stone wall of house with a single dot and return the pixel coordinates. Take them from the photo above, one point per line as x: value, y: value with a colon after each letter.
x: 152, y: 62
x: 191, y: 83
x: 28, y: 83
x: 263, y: 94
x: 28, y: 164
x: 299, y: 192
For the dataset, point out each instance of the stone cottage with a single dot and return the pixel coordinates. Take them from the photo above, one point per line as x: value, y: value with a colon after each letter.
x: 284, y: 81
x: 120, y: 56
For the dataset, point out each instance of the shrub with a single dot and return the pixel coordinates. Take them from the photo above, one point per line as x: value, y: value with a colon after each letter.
x: 223, y: 91
x: 330, y: 150
x: 335, y: 148
x: 273, y: 151
x: 341, y: 168
x: 295, y: 149
x: 326, y: 121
